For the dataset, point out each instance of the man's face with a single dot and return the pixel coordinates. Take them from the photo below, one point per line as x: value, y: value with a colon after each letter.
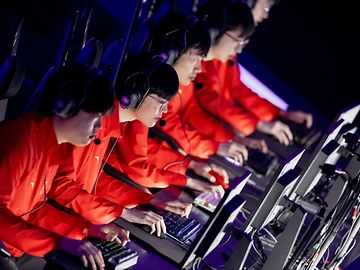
x: 151, y: 110
x: 229, y: 45
x: 81, y: 129
x: 261, y: 10
x: 188, y: 66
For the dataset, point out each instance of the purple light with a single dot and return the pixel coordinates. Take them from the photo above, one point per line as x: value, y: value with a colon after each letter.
x: 261, y: 89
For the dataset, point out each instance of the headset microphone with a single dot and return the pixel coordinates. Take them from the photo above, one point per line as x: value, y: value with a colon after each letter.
x: 162, y: 122
x: 97, y: 141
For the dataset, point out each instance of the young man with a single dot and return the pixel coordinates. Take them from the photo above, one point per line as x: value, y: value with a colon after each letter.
x: 144, y: 92
x: 30, y: 156
x: 104, y: 201
x: 220, y: 90
x: 197, y: 133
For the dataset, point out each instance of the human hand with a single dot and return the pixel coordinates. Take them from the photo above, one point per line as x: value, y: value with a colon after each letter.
x: 298, y: 117
x: 85, y: 250
x: 174, y: 206
x: 236, y: 151
x: 149, y: 218
x: 278, y: 129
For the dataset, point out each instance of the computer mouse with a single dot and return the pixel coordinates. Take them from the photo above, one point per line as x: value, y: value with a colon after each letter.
x: 147, y: 229
x: 219, y: 180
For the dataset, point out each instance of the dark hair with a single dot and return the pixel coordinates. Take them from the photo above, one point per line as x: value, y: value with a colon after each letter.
x: 76, y: 87
x: 144, y: 74
x: 176, y: 33
x: 220, y: 17
x: 252, y: 3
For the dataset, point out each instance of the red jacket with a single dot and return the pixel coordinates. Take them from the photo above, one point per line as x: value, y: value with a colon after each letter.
x: 77, y: 180
x: 185, y: 117
x: 130, y: 157
x: 221, y: 93
x: 29, y: 159
x: 194, y: 130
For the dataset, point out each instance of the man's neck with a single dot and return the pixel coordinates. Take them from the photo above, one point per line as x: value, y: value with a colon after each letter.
x: 126, y: 115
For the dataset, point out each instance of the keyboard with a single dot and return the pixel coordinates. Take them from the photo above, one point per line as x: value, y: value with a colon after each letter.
x: 116, y: 257
x: 180, y: 228
x: 207, y: 200
x: 259, y: 162
x: 303, y: 136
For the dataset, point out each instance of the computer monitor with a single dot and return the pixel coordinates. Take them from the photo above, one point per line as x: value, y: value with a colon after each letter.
x: 183, y: 255
x: 216, y: 231
x: 309, y: 177
x: 268, y: 205
x: 283, y: 165
x: 348, y: 114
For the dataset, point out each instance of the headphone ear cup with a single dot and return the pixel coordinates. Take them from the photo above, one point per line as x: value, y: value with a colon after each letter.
x: 172, y: 56
x: 133, y: 90
x: 130, y: 101
x: 214, y: 34
x: 71, y: 95
x: 65, y: 107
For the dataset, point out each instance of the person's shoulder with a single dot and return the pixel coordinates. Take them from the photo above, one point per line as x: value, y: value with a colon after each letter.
x: 20, y: 125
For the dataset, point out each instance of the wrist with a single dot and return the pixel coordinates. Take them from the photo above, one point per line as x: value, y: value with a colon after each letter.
x: 284, y: 115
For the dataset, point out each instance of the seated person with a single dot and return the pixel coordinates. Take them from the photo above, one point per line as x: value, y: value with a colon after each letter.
x: 30, y: 156
x: 75, y: 189
x: 219, y: 89
x: 185, y: 42
x: 143, y: 89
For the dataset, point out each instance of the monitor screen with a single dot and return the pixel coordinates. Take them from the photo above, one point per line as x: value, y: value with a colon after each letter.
x: 349, y: 114
x: 268, y: 205
x: 216, y: 231
x: 218, y: 220
x: 308, y: 177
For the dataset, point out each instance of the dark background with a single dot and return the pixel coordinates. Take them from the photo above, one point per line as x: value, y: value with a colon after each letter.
x: 305, y: 52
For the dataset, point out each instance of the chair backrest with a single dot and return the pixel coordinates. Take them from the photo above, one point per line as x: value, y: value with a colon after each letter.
x: 12, y: 72
x: 89, y: 53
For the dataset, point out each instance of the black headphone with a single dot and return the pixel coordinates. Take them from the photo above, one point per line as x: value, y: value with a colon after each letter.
x: 215, y: 22
x: 136, y: 86
x: 175, y: 41
x: 72, y: 94
x: 251, y: 3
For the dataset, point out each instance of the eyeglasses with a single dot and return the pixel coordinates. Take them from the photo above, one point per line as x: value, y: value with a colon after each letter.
x: 163, y: 102
x: 240, y: 41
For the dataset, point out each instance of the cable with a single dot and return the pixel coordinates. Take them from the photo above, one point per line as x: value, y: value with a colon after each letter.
x: 196, y: 263
x: 336, y: 216
x: 270, y: 234
x: 41, y: 205
x: 225, y: 242
x: 103, y: 165
x: 327, y: 257
x: 183, y: 123
x: 254, y: 247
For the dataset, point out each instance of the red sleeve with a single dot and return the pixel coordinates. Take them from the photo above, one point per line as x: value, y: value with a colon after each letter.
x: 204, y: 123
x: 130, y: 157
x: 161, y: 154
x: 65, y: 191
x: 210, y: 98
x: 189, y: 138
x: 245, y: 97
x: 14, y: 157
x: 121, y: 193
